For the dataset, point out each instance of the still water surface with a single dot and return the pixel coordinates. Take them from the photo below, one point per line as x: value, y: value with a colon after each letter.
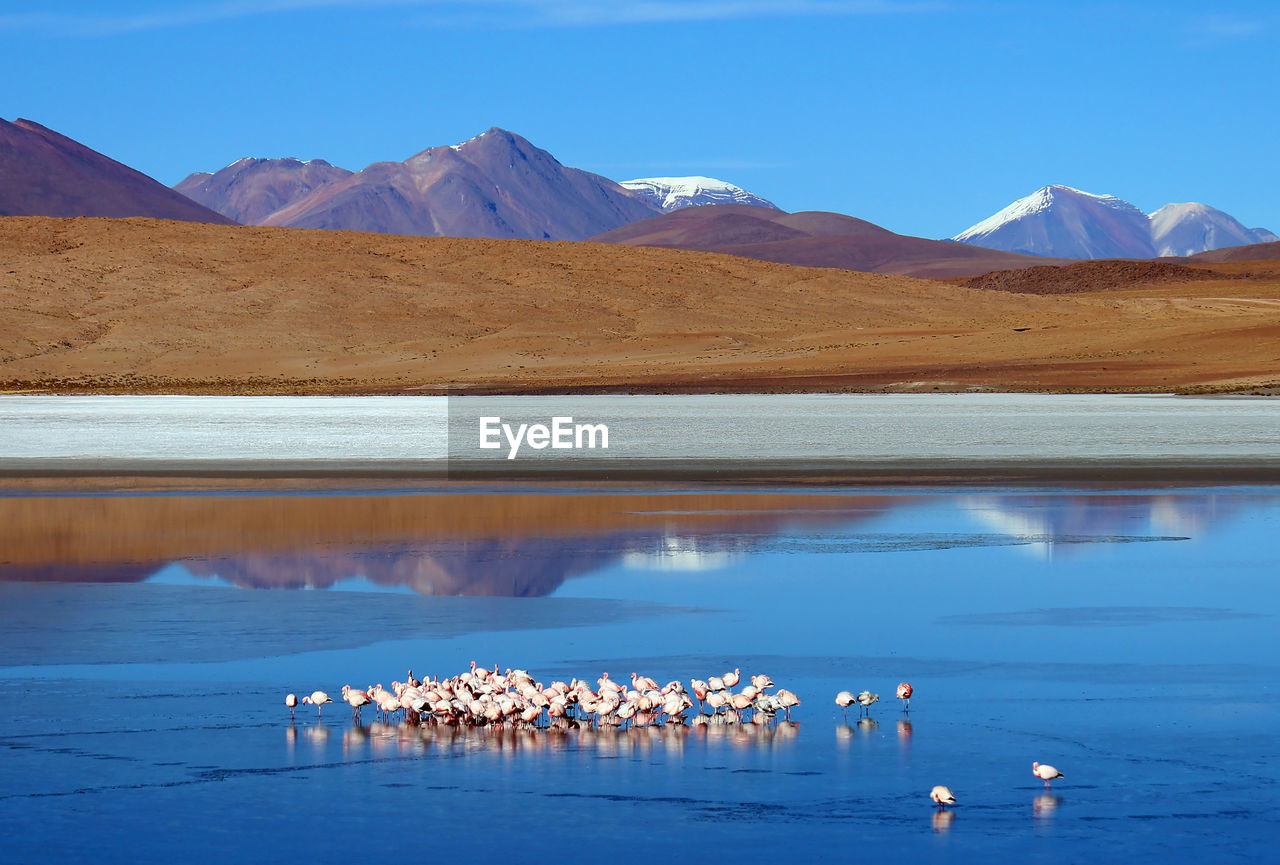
x: 1125, y: 636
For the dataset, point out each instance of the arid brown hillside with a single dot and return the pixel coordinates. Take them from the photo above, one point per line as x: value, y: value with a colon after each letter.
x: 145, y: 305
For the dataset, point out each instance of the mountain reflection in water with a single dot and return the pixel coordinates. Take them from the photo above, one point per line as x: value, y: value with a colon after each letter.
x: 519, y: 544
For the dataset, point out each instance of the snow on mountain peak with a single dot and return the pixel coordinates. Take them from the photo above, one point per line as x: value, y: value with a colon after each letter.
x: 1071, y: 223
x: 1189, y: 227
x: 1039, y: 201
x: 675, y: 193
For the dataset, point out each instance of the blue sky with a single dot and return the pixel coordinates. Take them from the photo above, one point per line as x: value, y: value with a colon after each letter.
x: 921, y: 116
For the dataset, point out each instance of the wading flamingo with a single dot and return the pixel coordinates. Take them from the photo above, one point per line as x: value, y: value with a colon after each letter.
x: 291, y: 700
x: 355, y: 699
x: 844, y: 700
x: 942, y: 795
x: 1045, y: 773
x: 317, y: 699
x: 904, y: 694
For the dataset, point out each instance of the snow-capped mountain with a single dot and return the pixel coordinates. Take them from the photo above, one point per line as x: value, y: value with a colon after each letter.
x: 1190, y: 227
x: 1070, y: 223
x: 1067, y: 223
x: 675, y: 193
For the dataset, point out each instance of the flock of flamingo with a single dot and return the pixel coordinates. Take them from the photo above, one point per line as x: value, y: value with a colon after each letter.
x: 481, y: 697
x: 514, y: 699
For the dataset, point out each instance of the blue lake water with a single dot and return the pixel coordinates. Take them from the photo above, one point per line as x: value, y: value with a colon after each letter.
x: 1127, y: 636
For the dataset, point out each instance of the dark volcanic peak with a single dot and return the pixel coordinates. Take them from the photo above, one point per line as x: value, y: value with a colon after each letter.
x: 43, y: 173
x: 250, y: 190
x: 813, y: 239
x: 496, y: 184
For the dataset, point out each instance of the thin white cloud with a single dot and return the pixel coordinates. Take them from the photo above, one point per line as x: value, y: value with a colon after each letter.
x: 593, y: 12
x: 563, y: 13
x: 1231, y: 27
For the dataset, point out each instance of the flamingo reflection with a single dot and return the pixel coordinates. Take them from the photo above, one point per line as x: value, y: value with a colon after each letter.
x: 1044, y: 805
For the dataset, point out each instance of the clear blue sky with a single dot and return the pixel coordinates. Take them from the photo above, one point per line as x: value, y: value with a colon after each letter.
x: 921, y: 116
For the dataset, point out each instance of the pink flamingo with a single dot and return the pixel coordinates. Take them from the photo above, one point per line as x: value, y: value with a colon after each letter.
x: 317, y: 699
x: 904, y: 694
x: 1045, y: 773
x: 844, y: 700
x: 355, y: 699
x: 291, y: 701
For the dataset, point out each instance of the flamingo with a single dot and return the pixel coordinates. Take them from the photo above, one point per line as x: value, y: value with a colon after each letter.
x: 700, y: 691
x: 786, y: 699
x: 942, y: 795
x: 739, y: 703
x: 355, y: 698
x: 844, y: 700
x: 291, y: 700
x: 643, y: 683
x: 731, y: 679
x: 715, y: 683
x: 762, y: 682
x: 904, y: 694
x: 1045, y: 773
x: 317, y: 699
x: 389, y: 704
x: 866, y: 698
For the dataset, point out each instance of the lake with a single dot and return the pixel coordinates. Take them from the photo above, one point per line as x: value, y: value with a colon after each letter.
x: 152, y: 625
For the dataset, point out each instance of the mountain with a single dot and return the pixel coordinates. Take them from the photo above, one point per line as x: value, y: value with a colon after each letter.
x: 814, y: 239
x: 494, y: 185
x: 1068, y: 223
x: 43, y: 173
x: 674, y: 193
x: 1190, y: 228
x: 250, y: 190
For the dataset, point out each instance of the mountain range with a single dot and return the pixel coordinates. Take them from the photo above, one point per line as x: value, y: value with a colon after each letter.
x: 43, y: 173
x: 496, y: 184
x: 499, y: 185
x: 1070, y: 223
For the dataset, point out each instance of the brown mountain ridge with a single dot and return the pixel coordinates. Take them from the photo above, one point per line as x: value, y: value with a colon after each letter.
x: 250, y: 190
x: 43, y: 173
x: 494, y: 185
x: 814, y: 239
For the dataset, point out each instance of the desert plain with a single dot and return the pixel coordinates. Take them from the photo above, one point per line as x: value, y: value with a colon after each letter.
x: 149, y: 306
